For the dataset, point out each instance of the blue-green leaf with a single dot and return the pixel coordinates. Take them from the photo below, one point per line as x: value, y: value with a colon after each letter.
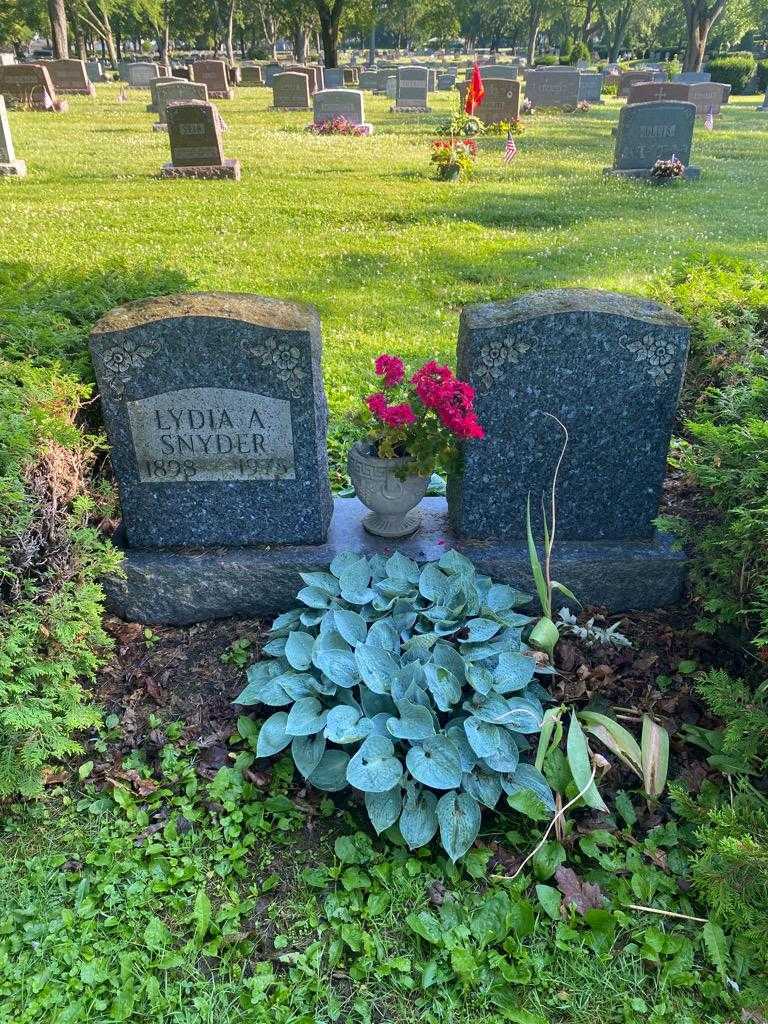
x: 376, y: 703
x: 307, y: 752
x: 376, y: 666
x: 313, y: 597
x: 374, y: 768
x: 322, y: 581
x: 285, y: 621
x: 448, y: 657
x: 384, y: 808
x: 433, y: 584
x: 351, y: 625
x: 331, y: 774
x: 501, y: 597
x: 415, y: 722
x: 298, y: 650
x: 306, y: 717
x: 342, y: 562
x: 262, y: 687
x: 459, y: 817
x: 483, y: 785
x: 383, y: 634
x: 483, y: 737
x: 479, y: 630
x: 506, y: 756
x: 479, y: 678
x: 526, y: 776
x: 513, y: 672
x: 467, y: 756
x: 345, y: 724
x: 457, y: 564
x: 297, y: 684
x: 339, y: 666
x: 435, y: 763
x: 273, y: 736
x: 418, y: 822
x: 401, y: 568
x: 443, y: 685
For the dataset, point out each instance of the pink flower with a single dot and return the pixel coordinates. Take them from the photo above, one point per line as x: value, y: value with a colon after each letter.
x: 399, y: 415
x: 377, y: 404
x: 391, y: 369
x: 429, y: 383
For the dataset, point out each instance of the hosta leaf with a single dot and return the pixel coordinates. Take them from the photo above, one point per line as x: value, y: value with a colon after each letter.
x: 313, y: 597
x: 401, y: 568
x: 655, y: 756
x: 343, y: 562
x: 331, y: 774
x: 479, y: 678
x: 455, y: 563
x: 467, y: 757
x: 272, y: 737
x: 262, y: 688
x: 479, y: 630
x: 415, y: 722
x: 351, y: 625
x: 376, y: 703
x: 579, y: 763
x: 298, y: 650
x: 297, y: 684
x: 483, y: 737
x: 374, y: 768
x: 435, y: 763
x: 322, y: 581
x: 306, y: 717
x: 311, y: 618
x: 359, y: 597
x: 376, y: 666
x: 484, y: 786
x: 506, y: 756
x: 383, y: 634
x: 384, y: 808
x: 500, y: 598
x: 307, y: 752
x: 509, y: 640
x: 443, y: 685
x: 459, y: 817
x: 404, y: 616
x: 433, y: 584
x: 513, y: 673
x: 448, y: 657
x: 276, y: 648
x: 355, y: 577
x: 526, y: 776
x: 379, y: 724
x: 339, y: 666
x: 345, y: 724
x: 285, y: 621
x: 418, y: 822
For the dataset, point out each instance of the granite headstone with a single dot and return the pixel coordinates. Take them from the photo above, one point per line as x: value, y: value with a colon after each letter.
x: 591, y: 87
x: 152, y: 107
x: 194, y: 130
x: 216, y: 416
x: 707, y: 96
x: 290, y: 91
x: 70, y: 77
x: 173, y: 90
x: 610, y: 368
x: 552, y: 88
x: 140, y: 74
x: 213, y: 73
x: 30, y: 86
x: 251, y: 74
x: 629, y: 78
x: 651, y: 92
x: 412, y: 89
x: 692, y: 77
x: 347, y: 103
x: 648, y: 132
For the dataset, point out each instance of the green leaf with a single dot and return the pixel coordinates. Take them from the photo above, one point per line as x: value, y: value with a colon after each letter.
x: 306, y: 717
x: 426, y: 926
x: 351, y: 625
x: 547, y: 860
x: 201, y: 915
x: 544, y: 636
x: 384, y: 808
x: 298, y: 650
x: 313, y: 597
x: 514, y: 672
x: 273, y: 736
x: 435, y: 763
x: 345, y: 724
x: 377, y: 667
x: 536, y: 570
x: 488, y: 923
x: 459, y: 817
x: 307, y: 752
x: 551, y: 734
x: 550, y: 900
x: 374, y: 768
x: 433, y: 584
x: 479, y: 630
x: 655, y: 756
x: 331, y: 774
x: 579, y: 763
x: 528, y: 777
x: 614, y: 736
x: 415, y: 722
x: 717, y: 946
x: 418, y: 821
x: 356, y: 849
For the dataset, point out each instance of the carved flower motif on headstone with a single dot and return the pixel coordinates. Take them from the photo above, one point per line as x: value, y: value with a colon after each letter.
x: 122, y: 360
x: 657, y: 353
x: 494, y: 356
x: 283, y: 358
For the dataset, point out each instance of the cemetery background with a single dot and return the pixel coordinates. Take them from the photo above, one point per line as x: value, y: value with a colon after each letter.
x: 102, y: 231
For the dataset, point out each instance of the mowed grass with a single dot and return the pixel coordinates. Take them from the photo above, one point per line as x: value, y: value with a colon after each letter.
x: 359, y: 228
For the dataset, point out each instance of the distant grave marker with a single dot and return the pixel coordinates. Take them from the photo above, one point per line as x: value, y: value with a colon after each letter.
x: 194, y: 129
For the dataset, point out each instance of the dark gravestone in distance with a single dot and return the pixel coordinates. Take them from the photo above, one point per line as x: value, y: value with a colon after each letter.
x: 152, y: 105
x: 591, y: 87
x: 412, y: 89
x: 212, y: 73
x: 610, y: 367
x: 175, y: 90
x: 251, y: 74
x: 290, y: 91
x: 653, y: 92
x: 194, y: 130
x: 216, y: 416
x: 70, y: 77
x: 549, y: 88
x: 648, y: 132
x: 29, y: 86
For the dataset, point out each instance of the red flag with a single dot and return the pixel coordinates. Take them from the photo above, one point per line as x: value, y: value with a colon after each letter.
x: 475, y: 92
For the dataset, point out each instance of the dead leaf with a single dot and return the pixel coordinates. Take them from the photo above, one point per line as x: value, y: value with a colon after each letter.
x: 582, y: 895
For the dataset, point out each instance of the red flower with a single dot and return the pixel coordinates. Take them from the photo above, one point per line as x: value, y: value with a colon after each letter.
x: 391, y: 415
x: 429, y: 383
x: 391, y: 369
x: 377, y: 404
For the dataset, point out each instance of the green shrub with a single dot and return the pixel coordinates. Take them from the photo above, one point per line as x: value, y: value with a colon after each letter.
x: 50, y: 558
x: 736, y: 70
x: 546, y: 60
x: 422, y: 673
x: 579, y: 52
x: 761, y: 75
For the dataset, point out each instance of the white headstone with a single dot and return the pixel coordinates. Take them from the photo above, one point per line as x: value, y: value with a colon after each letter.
x: 9, y: 165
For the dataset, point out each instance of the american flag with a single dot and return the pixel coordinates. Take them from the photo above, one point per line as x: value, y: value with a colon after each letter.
x: 510, y: 150
x: 709, y: 121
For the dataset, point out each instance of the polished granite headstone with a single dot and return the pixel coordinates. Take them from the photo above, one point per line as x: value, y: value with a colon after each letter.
x: 216, y: 416
x: 70, y: 77
x: 648, y: 132
x: 610, y: 368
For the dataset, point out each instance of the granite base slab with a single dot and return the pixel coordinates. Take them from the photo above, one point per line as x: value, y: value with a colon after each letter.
x: 182, y: 586
x: 14, y: 169
x: 690, y: 173
x: 230, y: 170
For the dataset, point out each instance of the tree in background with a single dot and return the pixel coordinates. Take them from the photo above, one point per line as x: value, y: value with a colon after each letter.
x: 329, y: 12
x: 59, y: 37
x: 700, y: 16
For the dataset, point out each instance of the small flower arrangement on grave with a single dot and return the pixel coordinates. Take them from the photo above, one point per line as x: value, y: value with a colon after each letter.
x: 526, y: 107
x: 506, y: 128
x: 454, y: 157
x: 460, y: 124
x: 583, y: 106
x: 667, y: 170
x: 338, y: 125
x: 423, y: 416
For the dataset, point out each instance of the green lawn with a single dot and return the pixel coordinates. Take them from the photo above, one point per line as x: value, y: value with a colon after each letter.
x: 358, y: 227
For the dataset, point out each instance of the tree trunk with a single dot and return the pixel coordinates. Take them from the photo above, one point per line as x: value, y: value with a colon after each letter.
x: 372, y: 46
x: 230, y: 41
x: 534, y: 24
x: 700, y: 16
x: 58, y: 16
x: 329, y: 30
x: 300, y: 44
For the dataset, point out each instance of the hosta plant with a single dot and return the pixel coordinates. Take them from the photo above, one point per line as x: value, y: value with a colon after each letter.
x: 409, y: 683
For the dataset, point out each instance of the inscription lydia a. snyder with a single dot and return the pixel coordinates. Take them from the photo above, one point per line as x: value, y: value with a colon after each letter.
x: 210, y: 434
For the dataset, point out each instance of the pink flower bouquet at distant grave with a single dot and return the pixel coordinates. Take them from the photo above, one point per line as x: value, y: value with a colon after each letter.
x: 339, y: 125
x: 667, y: 170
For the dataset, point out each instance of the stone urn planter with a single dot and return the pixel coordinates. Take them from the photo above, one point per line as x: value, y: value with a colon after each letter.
x: 450, y: 172
x: 392, y: 500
